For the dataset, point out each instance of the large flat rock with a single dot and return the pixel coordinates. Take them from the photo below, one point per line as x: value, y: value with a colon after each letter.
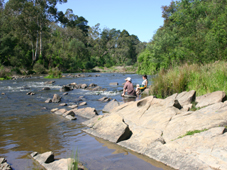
x: 87, y: 112
x: 211, y: 98
x: 208, y: 147
x: 111, y: 128
x: 206, y: 118
x: 112, y: 104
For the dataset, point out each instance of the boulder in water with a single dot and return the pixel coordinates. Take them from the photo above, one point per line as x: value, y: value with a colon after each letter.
x: 87, y: 112
x: 56, y: 98
x: 49, y: 100
x: 63, y: 104
x: 83, y: 86
x: 93, y: 85
x: 66, y: 88
x: 73, y: 106
x: 83, y: 103
x: 46, y: 88
x: 114, y: 84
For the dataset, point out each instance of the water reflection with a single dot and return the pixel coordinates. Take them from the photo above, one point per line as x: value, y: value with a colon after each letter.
x: 118, y: 149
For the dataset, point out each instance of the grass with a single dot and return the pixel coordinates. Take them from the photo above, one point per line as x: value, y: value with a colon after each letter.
x: 74, y: 164
x: 188, y: 133
x: 201, y: 78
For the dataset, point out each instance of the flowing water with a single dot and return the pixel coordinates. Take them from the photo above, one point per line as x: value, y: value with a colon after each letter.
x: 27, y: 127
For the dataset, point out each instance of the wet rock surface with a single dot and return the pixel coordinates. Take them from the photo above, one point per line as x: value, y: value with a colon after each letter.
x: 4, y: 165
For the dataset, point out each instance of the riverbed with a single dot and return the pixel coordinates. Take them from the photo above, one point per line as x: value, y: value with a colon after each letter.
x: 27, y: 125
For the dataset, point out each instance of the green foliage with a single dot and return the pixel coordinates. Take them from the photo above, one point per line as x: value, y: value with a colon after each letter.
x: 34, y: 35
x: 188, y: 133
x: 54, y: 73
x: 201, y: 78
x: 193, y: 32
x: 39, y: 68
x: 5, y: 73
x: 73, y: 165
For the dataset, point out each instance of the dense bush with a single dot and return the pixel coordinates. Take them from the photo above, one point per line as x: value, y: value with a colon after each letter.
x: 202, y: 78
x: 5, y: 73
x: 39, y: 68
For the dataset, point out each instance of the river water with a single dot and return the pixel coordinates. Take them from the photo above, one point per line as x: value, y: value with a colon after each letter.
x: 27, y: 127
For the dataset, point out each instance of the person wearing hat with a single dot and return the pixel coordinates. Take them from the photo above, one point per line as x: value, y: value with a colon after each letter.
x: 128, y: 87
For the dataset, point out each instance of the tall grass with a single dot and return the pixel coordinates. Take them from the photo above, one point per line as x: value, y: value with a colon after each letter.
x: 202, y: 78
x: 74, y: 163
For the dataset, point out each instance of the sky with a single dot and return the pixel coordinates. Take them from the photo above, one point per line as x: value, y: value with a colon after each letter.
x: 138, y: 17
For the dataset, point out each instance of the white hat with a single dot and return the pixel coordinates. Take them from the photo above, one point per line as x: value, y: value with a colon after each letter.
x: 128, y: 78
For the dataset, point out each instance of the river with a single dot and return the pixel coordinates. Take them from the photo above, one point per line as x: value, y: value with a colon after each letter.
x: 27, y: 127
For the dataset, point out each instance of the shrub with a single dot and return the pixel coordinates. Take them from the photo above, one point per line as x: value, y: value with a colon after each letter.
x: 5, y: 73
x: 54, y: 73
x: 39, y: 68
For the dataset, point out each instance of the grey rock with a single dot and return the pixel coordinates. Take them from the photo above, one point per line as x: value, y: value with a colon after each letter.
x: 63, y: 104
x: 60, y: 111
x: 113, y: 84
x: 48, y: 100
x: 108, y: 107
x: 70, y: 117
x: 46, y: 88
x: 46, y: 157
x: 4, y: 165
x: 73, y: 106
x: 56, y: 98
x: 70, y: 112
x: 54, y: 110
x: 186, y: 98
x: 93, y: 85
x: 114, y: 131
x: 66, y: 88
x: 209, y: 117
x: 87, y: 112
x: 98, y: 88
x: 83, y: 86
x: 102, y: 99
x: 33, y: 154
x: 90, y: 123
x: 211, y: 98
x: 79, y: 99
x: 83, y: 103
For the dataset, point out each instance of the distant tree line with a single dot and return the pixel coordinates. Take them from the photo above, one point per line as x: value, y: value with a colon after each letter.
x: 194, y: 31
x: 34, y: 34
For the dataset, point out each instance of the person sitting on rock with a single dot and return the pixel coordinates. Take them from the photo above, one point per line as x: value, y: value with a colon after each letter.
x: 128, y: 87
x: 141, y: 88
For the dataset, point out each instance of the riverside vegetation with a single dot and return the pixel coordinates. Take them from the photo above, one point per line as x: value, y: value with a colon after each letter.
x: 35, y: 37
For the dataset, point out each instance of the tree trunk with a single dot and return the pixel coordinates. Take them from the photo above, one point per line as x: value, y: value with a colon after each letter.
x: 36, y: 47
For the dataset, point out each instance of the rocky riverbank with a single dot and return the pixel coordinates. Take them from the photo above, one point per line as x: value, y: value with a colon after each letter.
x: 116, y: 69
x: 182, y: 131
